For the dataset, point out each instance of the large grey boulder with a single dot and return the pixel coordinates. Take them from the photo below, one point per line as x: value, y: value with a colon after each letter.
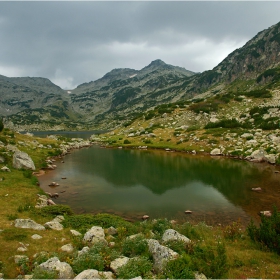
x: 215, y: 152
x: 68, y: 248
x: 22, y: 160
x: 94, y: 274
x: 173, y: 235
x: 161, y: 254
x: 258, y: 155
x: 53, y: 225
x: 117, y: 263
x: 94, y: 235
x: 28, y: 223
x: 271, y: 158
x: 54, y: 264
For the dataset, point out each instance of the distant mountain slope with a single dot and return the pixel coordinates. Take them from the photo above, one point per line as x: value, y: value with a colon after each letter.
x: 123, y: 90
x: 123, y: 94
x: 18, y: 94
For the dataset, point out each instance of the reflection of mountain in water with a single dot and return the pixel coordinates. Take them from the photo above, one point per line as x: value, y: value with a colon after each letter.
x: 160, y: 171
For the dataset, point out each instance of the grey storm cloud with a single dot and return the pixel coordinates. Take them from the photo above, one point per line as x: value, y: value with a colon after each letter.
x: 75, y: 42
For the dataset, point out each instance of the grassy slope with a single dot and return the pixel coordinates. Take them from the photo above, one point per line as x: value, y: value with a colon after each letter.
x: 18, y: 196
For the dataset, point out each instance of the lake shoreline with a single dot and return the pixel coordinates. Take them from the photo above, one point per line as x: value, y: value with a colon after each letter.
x: 101, y: 145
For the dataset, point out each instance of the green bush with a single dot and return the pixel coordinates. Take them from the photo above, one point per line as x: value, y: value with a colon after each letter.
x: 160, y: 226
x: 180, y: 268
x: 14, y: 234
x: 126, y: 141
x: 132, y: 247
x: 226, y: 123
x: 210, y: 261
x: 40, y: 273
x: 54, y: 210
x: 268, y: 233
x: 140, y: 266
x: 88, y: 260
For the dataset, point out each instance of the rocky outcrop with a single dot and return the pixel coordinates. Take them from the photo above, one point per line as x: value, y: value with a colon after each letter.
x: 94, y: 274
x: 161, y: 254
x: 22, y: 160
x: 215, y: 152
x: 94, y: 235
x: 63, y: 269
x: 117, y: 263
x: 28, y: 223
x: 173, y: 235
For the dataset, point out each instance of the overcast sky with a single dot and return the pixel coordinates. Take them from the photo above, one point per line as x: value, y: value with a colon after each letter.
x: 75, y: 42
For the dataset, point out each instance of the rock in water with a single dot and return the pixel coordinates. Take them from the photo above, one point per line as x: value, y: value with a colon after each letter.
x: 22, y: 160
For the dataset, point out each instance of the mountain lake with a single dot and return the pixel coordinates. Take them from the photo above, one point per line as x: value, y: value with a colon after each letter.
x: 132, y: 183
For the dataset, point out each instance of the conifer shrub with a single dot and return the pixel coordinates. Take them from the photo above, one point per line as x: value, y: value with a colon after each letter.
x: 40, y: 273
x: 140, y: 266
x: 132, y: 247
x: 210, y: 261
x: 54, y: 210
x: 180, y: 268
x: 89, y: 260
x: 268, y: 233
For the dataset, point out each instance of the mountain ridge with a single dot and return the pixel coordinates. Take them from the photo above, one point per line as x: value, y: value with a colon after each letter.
x: 123, y: 94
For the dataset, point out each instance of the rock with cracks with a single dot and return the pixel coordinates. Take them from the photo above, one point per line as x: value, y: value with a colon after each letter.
x: 161, y: 254
x: 63, y: 269
x: 22, y: 160
x: 173, y: 235
x: 28, y: 223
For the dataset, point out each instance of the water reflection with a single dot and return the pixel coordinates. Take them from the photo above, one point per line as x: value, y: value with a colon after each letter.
x: 133, y: 182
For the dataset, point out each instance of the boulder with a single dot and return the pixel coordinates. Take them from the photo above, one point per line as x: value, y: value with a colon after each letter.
x: 94, y: 235
x: 18, y: 258
x: 5, y: 169
x: 94, y: 274
x: 54, y: 225
x: 215, y: 152
x: 83, y: 251
x: 54, y: 264
x: 161, y: 254
x: 271, y: 158
x: 75, y: 233
x: 258, y: 155
x: 68, y: 248
x: 22, y: 160
x: 117, y: 263
x: 112, y: 231
x: 171, y: 234
x: 36, y: 236
x: 28, y: 223
x: 2, y: 159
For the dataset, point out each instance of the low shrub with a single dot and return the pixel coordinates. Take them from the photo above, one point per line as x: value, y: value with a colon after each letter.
x: 140, y: 266
x: 126, y: 141
x: 54, y: 210
x: 132, y: 247
x: 14, y: 234
x: 88, y: 260
x: 210, y: 261
x: 160, y: 226
x: 268, y: 233
x: 40, y: 273
x: 180, y: 268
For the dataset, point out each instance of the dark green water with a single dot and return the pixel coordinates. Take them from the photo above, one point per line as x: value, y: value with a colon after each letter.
x: 163, y: 184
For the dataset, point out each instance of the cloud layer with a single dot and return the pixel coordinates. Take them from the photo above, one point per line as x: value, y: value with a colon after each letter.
x: 75, y: 42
